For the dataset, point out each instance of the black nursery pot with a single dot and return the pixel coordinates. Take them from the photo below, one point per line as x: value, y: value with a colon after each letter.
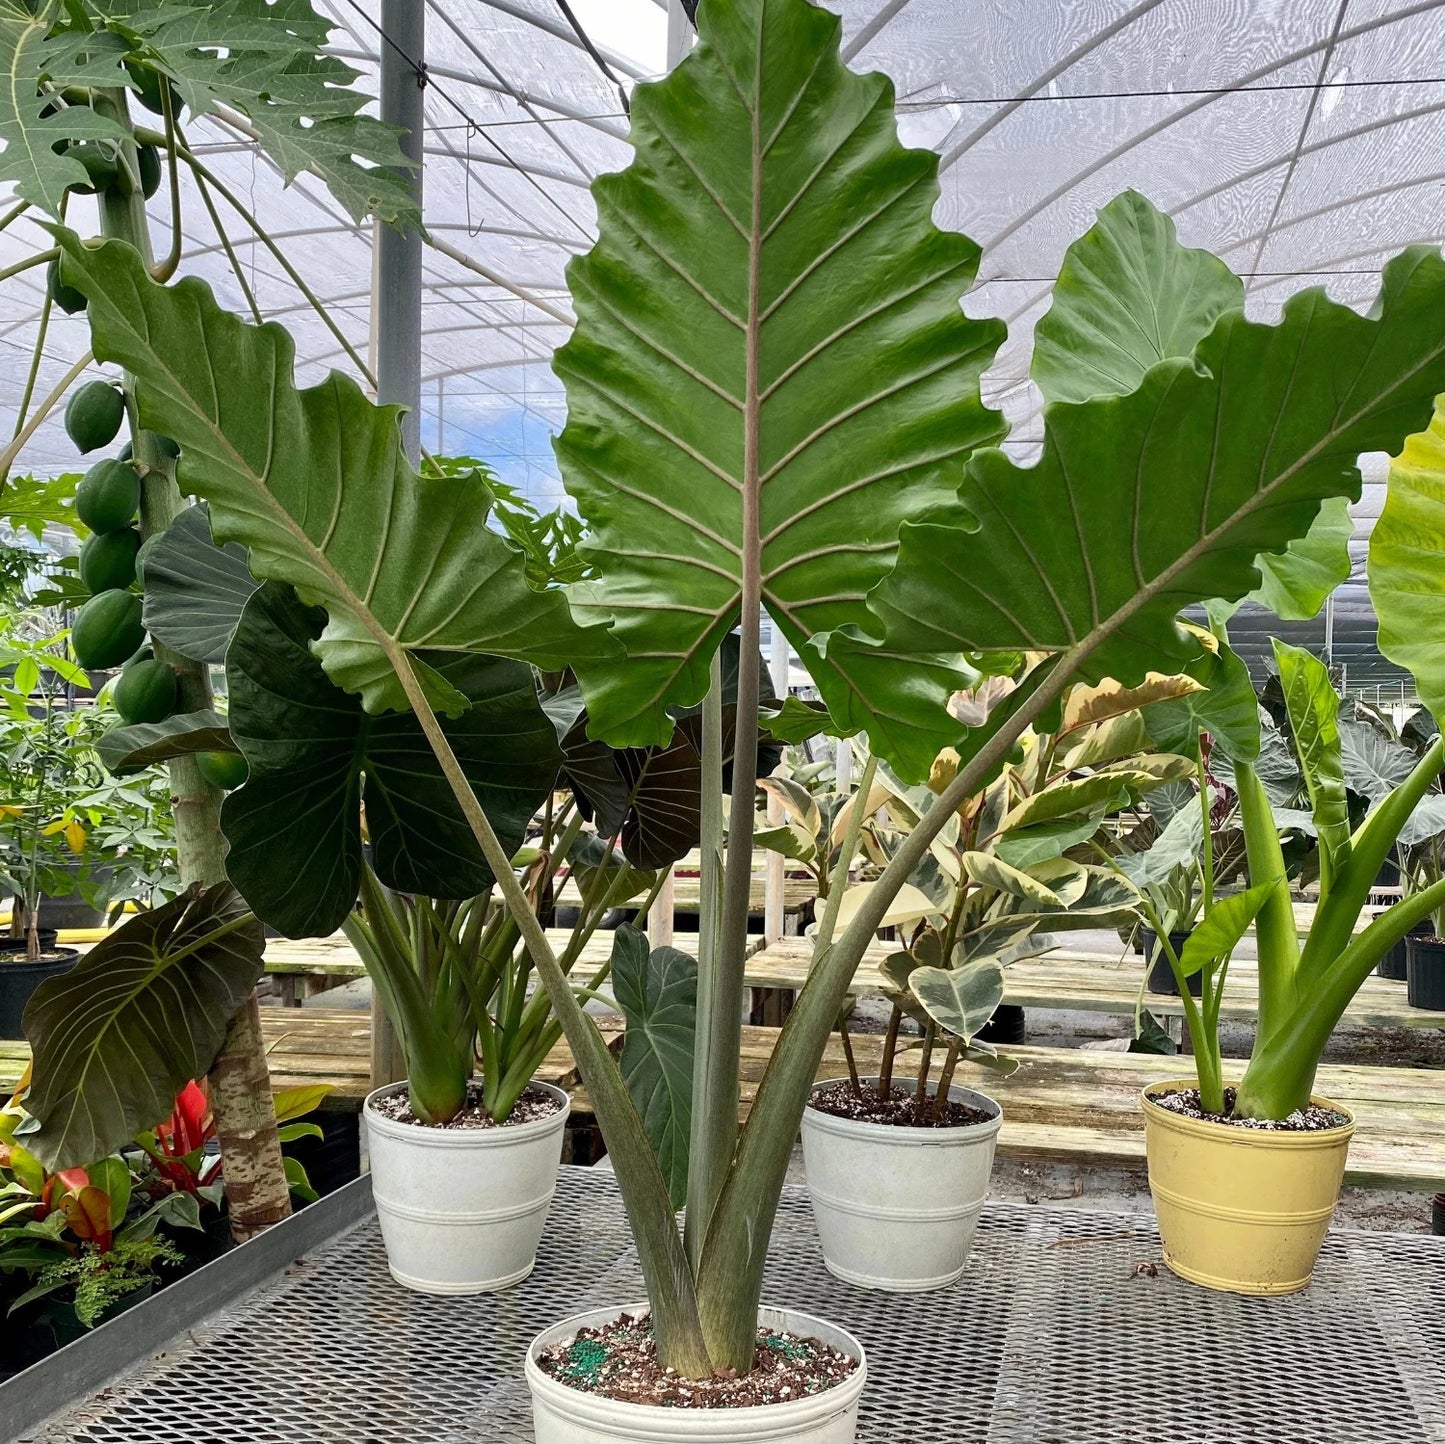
x: 18, y: 980
x: 1161, y: 975
x: 1425, y: 973
x: 1392, y: 965
x: 1007, y: 1026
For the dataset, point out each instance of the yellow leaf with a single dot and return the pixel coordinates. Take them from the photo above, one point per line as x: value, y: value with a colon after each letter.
x: 75, y: 837
x: 1096, y: 704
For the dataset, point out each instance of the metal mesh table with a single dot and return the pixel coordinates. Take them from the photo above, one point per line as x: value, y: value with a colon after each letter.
x: 1058, y: 1332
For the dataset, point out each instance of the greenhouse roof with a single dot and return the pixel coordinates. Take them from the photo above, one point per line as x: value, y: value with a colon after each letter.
x: 1298, y: 139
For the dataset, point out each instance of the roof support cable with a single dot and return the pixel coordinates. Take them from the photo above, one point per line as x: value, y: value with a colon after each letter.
x: 596, y: 55
x: 1304, y: 130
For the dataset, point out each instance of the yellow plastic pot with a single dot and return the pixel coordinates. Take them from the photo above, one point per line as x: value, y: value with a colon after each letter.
x: 1242, y: 1210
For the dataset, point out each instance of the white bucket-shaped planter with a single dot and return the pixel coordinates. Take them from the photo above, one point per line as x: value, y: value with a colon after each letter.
x: 896, y: 1207
x: 564, y: 1415
x: 462, y: 1209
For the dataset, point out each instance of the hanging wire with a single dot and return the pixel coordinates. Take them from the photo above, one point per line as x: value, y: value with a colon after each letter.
x: 596, y: 54
x: 420, y: 67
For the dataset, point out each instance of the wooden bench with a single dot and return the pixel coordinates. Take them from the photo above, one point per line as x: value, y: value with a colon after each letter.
x: 1069, y: 1105
x: 304, y: 969
x: 313, y: 1045
x: 1093, y: 983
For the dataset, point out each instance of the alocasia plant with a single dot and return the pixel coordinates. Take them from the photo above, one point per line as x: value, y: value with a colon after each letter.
x: 771, y: 376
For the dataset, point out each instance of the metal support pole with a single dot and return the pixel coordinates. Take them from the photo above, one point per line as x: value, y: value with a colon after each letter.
x: 441, y: 415
x: 396, y: 325
x: 843, y: 766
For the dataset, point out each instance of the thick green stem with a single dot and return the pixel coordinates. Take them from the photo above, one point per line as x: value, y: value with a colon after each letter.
x: 1275, y: 929
x: 730, y: 1280
x: 256, y: 1187
x: 1281, y: 1072
x: 644, y: 1190
x: 708, y: 1153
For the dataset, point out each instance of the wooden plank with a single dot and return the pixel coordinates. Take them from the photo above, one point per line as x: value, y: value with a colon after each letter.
x: 1092, y: 983
x: 798, y: 893
x: 1077, y: 1106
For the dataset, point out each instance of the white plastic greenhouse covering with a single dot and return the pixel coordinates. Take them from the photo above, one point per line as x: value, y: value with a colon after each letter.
x: 1302, y: 140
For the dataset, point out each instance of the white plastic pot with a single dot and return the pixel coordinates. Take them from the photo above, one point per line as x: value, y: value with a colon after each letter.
x: 563, y: 1415
x: 896, y: 1207
x: 462, y: 1209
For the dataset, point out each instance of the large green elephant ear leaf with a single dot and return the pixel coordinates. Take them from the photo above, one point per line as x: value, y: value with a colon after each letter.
x: 1407, y: 562
x: 195, y: 590
x: 316, y: 757
x: 1144, y: 503
x: 770, y: 371
x: 301, y: 479
x: 137, y: 1018
x: 1128, y: 295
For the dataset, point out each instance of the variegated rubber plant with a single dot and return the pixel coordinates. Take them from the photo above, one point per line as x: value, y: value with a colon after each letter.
x: 773, y: 404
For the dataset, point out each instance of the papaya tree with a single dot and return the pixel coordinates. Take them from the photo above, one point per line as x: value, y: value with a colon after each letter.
x: 78, y: 74
x: 773, y: 404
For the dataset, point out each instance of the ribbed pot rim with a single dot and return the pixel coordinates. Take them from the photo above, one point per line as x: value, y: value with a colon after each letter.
x: 1263, y: 1138
x: 425, y: 1136
x: 955, y: 1135
x: 767, y: 1419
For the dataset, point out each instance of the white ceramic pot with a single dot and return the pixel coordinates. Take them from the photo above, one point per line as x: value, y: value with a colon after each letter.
x: 563, y: 1415
x: 896, y: 1207
x: 461, y: 1209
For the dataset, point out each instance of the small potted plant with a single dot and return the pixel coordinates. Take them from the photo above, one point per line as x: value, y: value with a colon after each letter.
x: 40, y: 829
x: 1268, y: 1138
x: 84, y: 1240
x: 898, y: 1175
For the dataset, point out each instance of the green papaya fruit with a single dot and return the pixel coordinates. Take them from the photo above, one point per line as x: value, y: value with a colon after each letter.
x: 126, y: 452
x: 145, y: 692
x: 148, y: 89
x: 148, y: 159
x: 223, y: 769
x: 99, y: 163
x: 107, y: 560
x: 66, y: 297
x: 108, y: 496
x: 93, y: 416
x: 107, y: 630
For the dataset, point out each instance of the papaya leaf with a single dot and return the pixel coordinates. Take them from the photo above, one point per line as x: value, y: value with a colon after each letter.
x: 1127, y: 296
x: 657, y: 992
x: 268, y: 62
x: 299, y: 477
x: 770, y: 363
x: 39, y: 61
x: 960, y: 1000
x: 316, y: 758
x: 132, y: 749
x: 1143, y: 503
x: 137, y: 1018
x: 195, y: 590
x: 1313, y: 712
x: 1407, y: 584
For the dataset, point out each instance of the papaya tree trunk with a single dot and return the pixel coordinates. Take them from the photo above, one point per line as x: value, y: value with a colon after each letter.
x: 257, y: 1194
